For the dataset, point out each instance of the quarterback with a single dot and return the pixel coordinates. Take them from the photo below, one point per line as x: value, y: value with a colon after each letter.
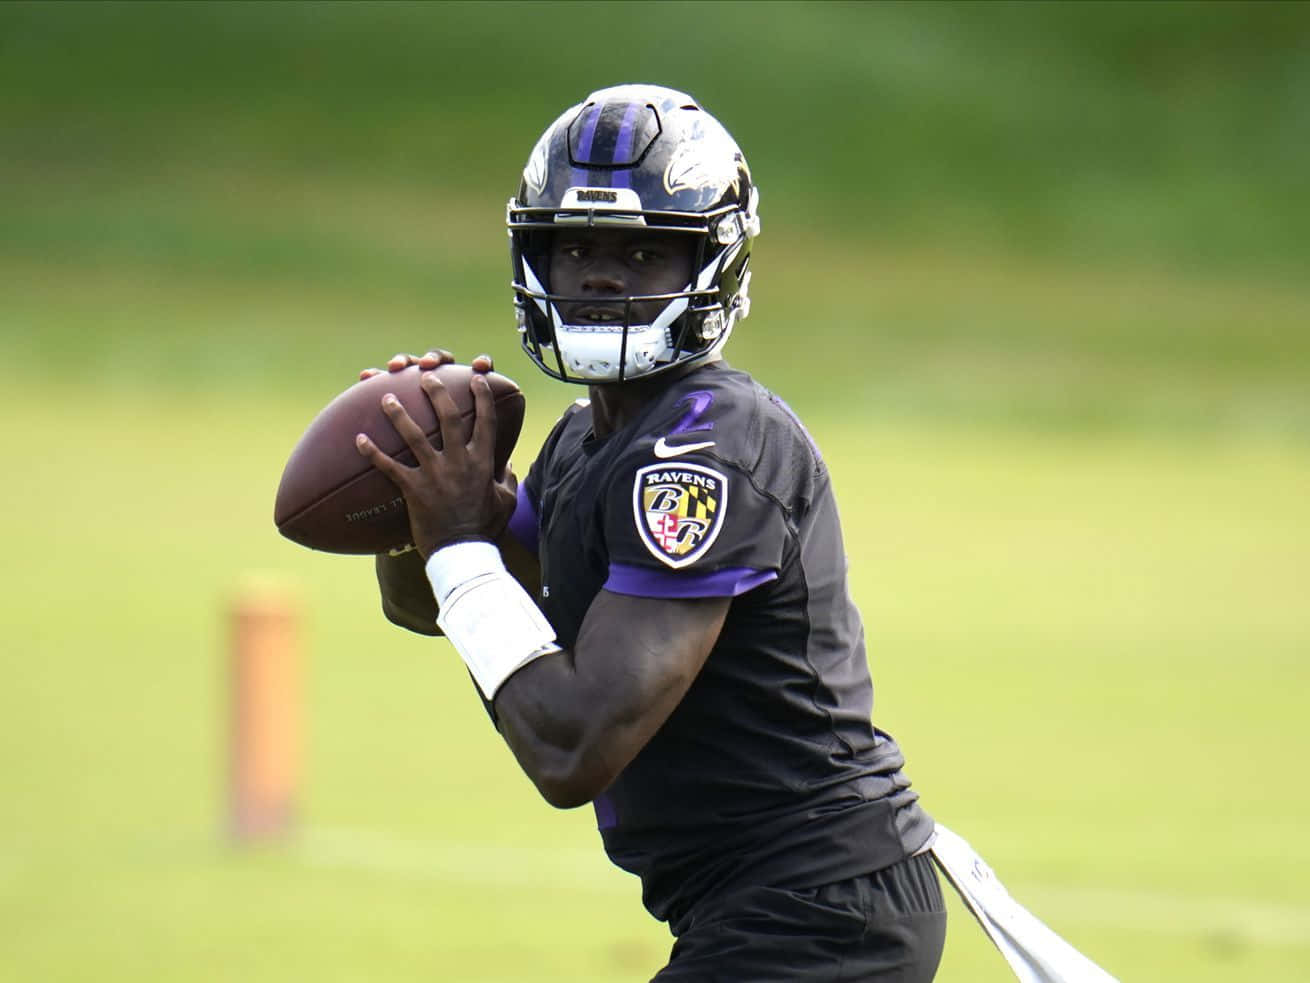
x: 657, y: 616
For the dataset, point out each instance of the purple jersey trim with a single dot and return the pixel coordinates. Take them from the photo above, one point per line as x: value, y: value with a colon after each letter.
x: 623, y: 145
x: 606, y: 816
x: 644, y: 582
x: 524, y: 523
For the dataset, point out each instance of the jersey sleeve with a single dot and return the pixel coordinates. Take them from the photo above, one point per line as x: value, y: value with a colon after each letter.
x: 690, y: 527
x: 525, y: 523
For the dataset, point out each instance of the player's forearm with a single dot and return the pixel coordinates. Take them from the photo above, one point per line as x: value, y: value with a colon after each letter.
x: 406, y: 594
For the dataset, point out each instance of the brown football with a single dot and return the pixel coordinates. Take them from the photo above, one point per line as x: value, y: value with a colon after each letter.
x: 334, y: 500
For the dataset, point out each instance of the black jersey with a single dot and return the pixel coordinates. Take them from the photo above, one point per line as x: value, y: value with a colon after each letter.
x: 769, y: 771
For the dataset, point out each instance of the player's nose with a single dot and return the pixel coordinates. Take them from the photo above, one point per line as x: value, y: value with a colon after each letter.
x: 604, y: 276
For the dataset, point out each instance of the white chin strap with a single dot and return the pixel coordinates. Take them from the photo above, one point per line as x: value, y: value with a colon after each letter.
x: 592, y: 351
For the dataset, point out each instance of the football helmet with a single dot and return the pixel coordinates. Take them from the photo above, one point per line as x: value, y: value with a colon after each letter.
x: 626, y: 156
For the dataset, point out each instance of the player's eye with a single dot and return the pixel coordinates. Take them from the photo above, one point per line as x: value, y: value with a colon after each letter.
x: 644, y: 256
x: 573, y: 251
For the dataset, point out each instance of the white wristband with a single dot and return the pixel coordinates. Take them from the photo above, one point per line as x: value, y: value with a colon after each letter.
x: 452, y: 565
x: 486, y: 614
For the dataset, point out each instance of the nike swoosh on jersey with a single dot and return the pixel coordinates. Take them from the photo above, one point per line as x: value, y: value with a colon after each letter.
x: 663, y: 449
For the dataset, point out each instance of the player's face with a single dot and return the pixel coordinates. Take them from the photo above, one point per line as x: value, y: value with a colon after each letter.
x: 603, y: 266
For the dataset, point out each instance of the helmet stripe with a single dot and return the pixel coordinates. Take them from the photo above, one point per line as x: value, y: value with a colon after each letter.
x: 623, y: 145
x: 584, y: 144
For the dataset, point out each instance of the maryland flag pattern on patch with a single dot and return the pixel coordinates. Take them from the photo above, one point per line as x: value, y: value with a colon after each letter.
x: 679, y: 510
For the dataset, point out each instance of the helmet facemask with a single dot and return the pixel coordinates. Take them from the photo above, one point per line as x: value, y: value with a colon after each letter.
x: 688, y: 322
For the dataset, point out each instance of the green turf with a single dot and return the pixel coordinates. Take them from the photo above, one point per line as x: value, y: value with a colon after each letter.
x: 1034, y: 276
x: 1091, y: 646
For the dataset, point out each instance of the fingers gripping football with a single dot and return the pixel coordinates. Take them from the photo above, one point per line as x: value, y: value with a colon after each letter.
x: 451, y: 493
x: 427, y: 362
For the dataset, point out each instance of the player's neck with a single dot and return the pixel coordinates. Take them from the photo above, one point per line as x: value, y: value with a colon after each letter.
x: 614, y: 406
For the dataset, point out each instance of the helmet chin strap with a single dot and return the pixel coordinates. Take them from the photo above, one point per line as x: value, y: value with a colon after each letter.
x: 592, y: 351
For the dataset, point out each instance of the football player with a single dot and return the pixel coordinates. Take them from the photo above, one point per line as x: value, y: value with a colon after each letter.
x: 657, y: 616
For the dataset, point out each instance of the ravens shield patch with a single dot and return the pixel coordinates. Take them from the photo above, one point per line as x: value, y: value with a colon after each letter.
x: 679, y: 510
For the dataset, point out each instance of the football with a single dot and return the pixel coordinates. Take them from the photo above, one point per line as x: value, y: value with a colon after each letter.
x: 332, y: 499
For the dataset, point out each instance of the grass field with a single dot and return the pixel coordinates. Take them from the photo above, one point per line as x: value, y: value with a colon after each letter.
x: 1092, y: 647
x: 1044, y: 309
x: 1082, y: 562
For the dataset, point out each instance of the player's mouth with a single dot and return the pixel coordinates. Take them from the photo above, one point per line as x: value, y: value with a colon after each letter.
x: 594, y: 315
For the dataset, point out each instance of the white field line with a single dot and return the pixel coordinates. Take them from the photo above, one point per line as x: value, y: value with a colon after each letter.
x: 1149, y: 912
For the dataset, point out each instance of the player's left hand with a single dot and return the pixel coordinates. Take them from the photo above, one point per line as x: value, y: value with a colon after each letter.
x: 451, y: 494
x: 430, y: 360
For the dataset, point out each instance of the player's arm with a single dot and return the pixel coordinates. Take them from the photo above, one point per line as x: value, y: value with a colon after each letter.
x: 407, y: 598
x: 574, y: 719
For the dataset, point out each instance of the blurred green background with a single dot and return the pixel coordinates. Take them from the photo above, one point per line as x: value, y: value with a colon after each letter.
x: 1034, y: 275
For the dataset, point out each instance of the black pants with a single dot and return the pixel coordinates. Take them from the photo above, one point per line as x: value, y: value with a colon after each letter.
x: 888, y: 926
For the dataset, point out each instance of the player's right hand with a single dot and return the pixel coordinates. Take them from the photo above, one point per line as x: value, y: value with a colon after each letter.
x: 430, y: 360
x: 507, y: 482
x: 451, y: 492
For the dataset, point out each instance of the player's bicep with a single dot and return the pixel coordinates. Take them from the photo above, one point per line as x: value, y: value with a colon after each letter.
x: 639, y: 655
x: 575, y: 719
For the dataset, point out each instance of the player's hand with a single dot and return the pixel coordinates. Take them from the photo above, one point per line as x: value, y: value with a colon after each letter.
x: 426, y: 362
x: 451, y: 494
